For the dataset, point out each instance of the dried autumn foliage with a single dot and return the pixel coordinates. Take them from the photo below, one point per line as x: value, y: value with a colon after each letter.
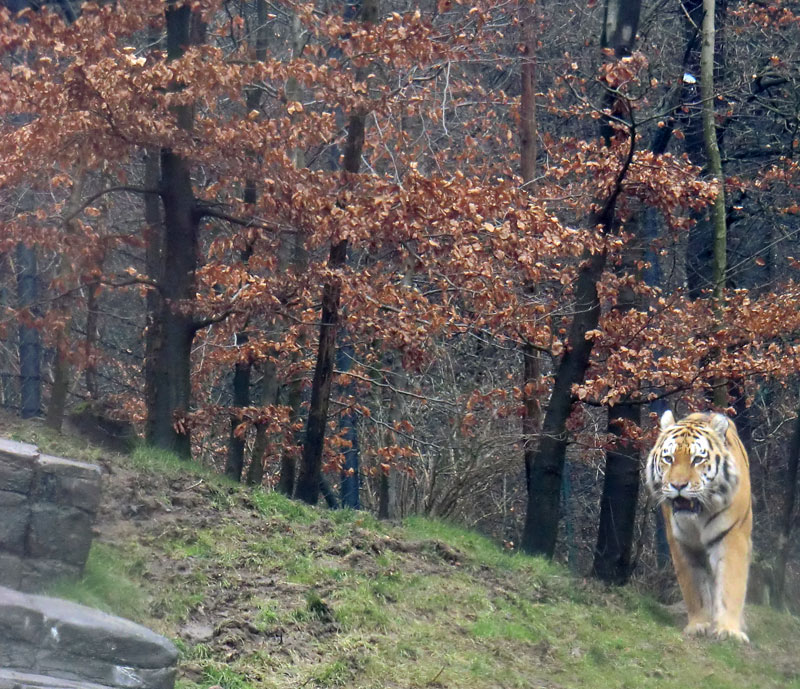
x: 444, y: 241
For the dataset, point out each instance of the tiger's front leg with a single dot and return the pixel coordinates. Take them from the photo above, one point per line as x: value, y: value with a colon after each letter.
x: 694, y: 575
x: 695, y: 580
x: 730, y: 561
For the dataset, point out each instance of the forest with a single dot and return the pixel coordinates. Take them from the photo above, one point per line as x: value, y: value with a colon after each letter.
x: 442, y: 258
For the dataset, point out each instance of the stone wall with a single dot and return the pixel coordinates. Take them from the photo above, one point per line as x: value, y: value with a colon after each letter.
x: 48, y: 506
x: 54, y: 644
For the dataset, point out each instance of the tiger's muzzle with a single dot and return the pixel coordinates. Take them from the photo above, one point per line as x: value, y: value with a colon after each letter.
x: 681, y: 504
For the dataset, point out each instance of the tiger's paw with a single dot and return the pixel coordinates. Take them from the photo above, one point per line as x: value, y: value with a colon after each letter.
x: 723, y: 633
x: 697, y: 628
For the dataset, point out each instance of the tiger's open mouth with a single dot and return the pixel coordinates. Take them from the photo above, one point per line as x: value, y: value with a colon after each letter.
x: 686, y: 505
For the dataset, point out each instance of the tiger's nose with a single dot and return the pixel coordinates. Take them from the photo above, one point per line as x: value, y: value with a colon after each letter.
x: 679, y: 486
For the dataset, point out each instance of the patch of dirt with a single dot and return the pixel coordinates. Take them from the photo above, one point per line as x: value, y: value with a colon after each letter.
x: 222, y: 611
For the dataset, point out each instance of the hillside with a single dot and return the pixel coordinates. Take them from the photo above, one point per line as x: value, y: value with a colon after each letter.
x: 260, y: 591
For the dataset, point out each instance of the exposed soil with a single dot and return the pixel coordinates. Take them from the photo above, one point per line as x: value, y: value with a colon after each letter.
x: 153, y: 510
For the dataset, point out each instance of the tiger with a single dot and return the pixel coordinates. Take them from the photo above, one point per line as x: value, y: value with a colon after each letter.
x: 698, y: 471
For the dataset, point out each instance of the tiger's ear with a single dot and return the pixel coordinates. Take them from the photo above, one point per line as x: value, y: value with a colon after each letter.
x: 667, y: 420
x: 719, y: 424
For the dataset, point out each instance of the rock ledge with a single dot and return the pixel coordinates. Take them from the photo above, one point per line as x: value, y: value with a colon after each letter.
x: 55, y: 644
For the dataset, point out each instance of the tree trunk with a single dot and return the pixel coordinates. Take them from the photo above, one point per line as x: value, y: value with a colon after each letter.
x: 612, y: 556
x: 90, y: 344
x: 170, y: 362
x: 384, y: 497
x: 241, y: 398
x: 286, y: 482
x: 389, y: 500
x: 714, y: 168
x: 527, y: 122
x: 612, y: 559
x: 531, y: 421
x: 299, y: 261
x: 154, y: 257
x: 531, y: 374
x: 30, y: 344
x: 699, y: 259
x: 308, y: 482
x: 269, y: 395
x: 350, y: 484
x: 60, y: 388
x: 242, y: 369
x: 547, y: 466
x: 294, y: 396
x: 700, y: 255
x: 787, y: 516
x: 61, y: 367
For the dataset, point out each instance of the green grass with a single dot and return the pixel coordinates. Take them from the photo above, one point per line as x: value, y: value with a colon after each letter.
x: 110, y: 582
x: 271, y: 504
x: 223, y: 676
x: 50, y: 441
x: 491, y: 619
x: 155, y: 460
x: 479, y: 547
x: 343, y: 600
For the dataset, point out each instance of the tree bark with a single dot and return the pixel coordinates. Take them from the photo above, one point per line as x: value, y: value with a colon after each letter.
x: 30, y: 343
x: 294, y: 394
x: 154, y: 250
x: 388, y: 478
x: 787, y: 516
x: 350, y: 483
x: 61, y: 367
x: 700, y: 256
x: 90, y: 344
x: 299, y: 261
x: 60, y: 388
x: 547, y: 466
x: 531, y: 374
x: 310, y: 476
x: 241, y: 398
x: 612, y: 557
x: 269, y: 395
x: 714, y: 165
x: 308, y: 482
x: 699, y: 251
x: 173, y: 322
x: 287, y: 480
x: 527, y: 121
x: 242, y: 369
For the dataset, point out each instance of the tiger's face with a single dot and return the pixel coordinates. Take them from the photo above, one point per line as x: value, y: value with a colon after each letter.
x: 690, y: 464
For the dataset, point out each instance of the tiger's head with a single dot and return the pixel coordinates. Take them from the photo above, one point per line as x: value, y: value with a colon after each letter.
x: 691, y: 464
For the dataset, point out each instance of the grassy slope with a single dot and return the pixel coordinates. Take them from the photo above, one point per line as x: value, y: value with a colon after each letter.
x: 259, y: 591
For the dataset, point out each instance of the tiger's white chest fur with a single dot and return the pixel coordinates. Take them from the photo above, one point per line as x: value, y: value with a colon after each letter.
x: 701, y: 531
x: 688, y: 529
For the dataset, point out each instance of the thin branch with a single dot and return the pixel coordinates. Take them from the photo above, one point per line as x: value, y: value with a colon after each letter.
x: 399, y: 391
x: 208, y: 212
x: 94, y: 197
x: 200, y: 323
